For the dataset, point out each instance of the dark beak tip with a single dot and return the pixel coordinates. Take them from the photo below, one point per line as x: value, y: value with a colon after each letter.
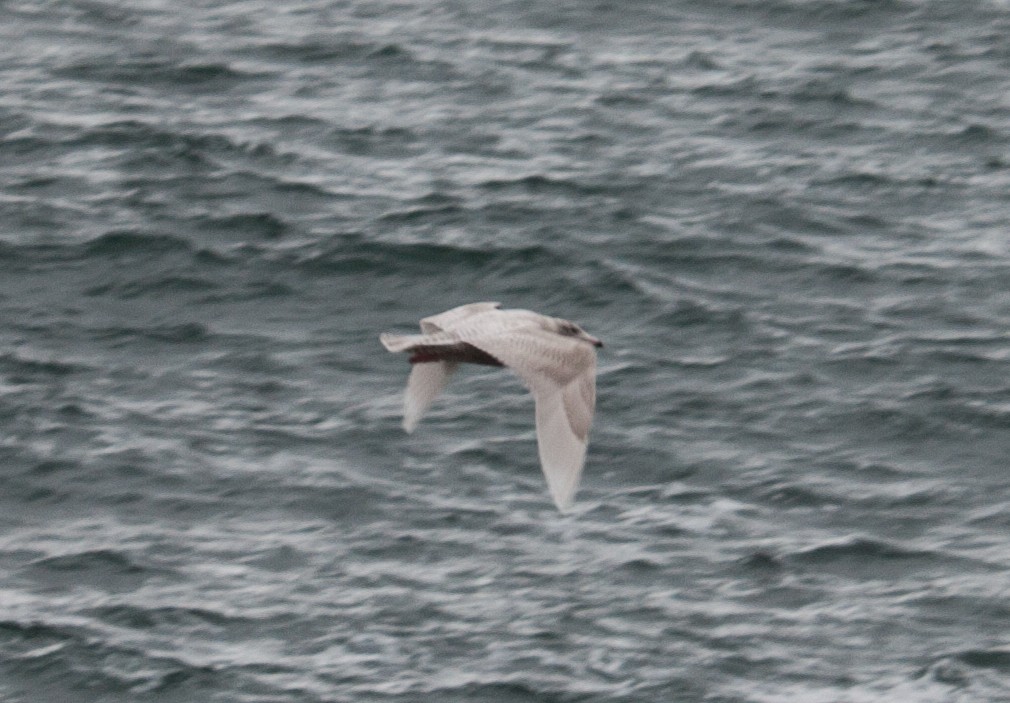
x: 598, y: 343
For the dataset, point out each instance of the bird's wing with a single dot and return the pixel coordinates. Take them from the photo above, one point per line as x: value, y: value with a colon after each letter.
x: 561, y: 375
x: 450, y: 318
x: 405, y: 342
x: 426, y: 381
x: 562, y: 454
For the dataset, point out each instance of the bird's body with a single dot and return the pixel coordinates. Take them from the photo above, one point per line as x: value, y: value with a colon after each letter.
x: 555, y: 358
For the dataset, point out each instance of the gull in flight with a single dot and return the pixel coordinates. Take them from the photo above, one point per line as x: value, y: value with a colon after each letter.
x: 555, y: 359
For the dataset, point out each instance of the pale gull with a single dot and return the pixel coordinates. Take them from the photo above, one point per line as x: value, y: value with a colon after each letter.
x: 555, y: 359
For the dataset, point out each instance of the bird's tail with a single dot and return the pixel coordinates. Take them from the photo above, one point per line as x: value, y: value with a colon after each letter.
x: 404, y: 342
x: 398, y: 342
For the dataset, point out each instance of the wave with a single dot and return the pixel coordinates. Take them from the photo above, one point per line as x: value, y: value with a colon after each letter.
x: 504, y: 691
x: 539, y: 184
x: 135, y: 243
x: 15, y: 366
x: 390, y: 59
x: 690, y: 311
x: 105, y: 569
x: 977, y: 134
x: 154, y: 287
x: 147, y: 618
x: 376, y: 142
x: 865, y: 551
x: 336, y: 49
x: 32, y: 631
x: 253, y: 290
x: 115, y: 245
x: 762, y: 562
x: 968, y: 668
x: 100, y: 559
x: 164, y: 72
x: 356, y: 254
x: 249, y: 225
x: 994, y: 658
x: 75, y: 658
x: 437, y: 215
x: 148, y: 143
x: 823, y: 11
x: 182, y: 333
x: 133, y: 250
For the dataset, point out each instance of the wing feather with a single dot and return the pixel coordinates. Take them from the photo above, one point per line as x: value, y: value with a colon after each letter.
x: 538, y: 357
x: 580, y: 401
x: 450, y: 318
x: 426, y: 381
x: 561, y: 375
x: 404, y: 342
x: 562, y: 454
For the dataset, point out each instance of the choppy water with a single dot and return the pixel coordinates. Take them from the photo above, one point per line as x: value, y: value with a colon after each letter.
x: 788, y: 219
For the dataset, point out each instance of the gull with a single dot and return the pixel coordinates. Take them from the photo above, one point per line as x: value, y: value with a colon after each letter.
x: 554, y: 358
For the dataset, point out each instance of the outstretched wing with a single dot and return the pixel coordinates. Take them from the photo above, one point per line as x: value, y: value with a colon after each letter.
x: 450, y: 318
x: 426, y: 381
x: 561, y: 375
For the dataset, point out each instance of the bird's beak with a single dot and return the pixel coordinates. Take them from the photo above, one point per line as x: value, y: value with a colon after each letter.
x: 595, y: 342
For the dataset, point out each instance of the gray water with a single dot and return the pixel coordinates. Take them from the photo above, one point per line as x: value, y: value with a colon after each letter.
x: 787, y: 219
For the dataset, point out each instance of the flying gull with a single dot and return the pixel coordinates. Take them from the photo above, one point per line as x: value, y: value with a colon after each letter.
x: 555, y: 359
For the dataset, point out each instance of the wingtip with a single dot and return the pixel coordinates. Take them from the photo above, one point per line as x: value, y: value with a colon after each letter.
x: 395, y: 342
x: 564, y: 503
x: 564, y: 507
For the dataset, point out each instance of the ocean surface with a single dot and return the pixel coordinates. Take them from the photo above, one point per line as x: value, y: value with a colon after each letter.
x: 789, y: 220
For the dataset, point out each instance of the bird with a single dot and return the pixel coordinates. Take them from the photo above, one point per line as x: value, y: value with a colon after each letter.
x: 554, y: 358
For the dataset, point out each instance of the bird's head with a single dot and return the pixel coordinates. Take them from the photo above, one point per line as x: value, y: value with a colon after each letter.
x: 570, y: 329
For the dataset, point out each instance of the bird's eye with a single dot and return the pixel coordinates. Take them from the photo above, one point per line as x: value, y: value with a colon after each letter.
x: 569, y: 330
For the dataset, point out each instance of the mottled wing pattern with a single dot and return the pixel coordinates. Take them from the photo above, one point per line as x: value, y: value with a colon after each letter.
x: 450, y: 318
x: 561, y: 375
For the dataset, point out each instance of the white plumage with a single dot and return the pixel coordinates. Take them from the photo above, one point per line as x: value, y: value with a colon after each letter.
x: 554, y: 358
